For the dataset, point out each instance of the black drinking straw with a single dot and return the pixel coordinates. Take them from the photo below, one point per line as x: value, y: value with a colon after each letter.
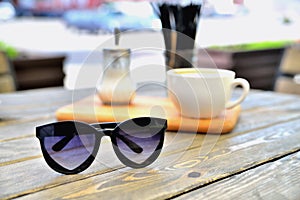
x: 186, y: 20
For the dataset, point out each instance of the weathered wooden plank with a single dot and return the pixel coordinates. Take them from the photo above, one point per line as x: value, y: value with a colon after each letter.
x: 34, y: 103
x: 267, y: 115
x: 105, y: 161
x: 34, y: 174
x: 274, y: 180
x: 176, y: 173
x: 17, y: 129
x: 32, y: 98
x: 27, y: 146
x: 258, y: 99
x: 18, y: 150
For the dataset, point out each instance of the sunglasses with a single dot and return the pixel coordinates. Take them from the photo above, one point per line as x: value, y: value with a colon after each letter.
x: 70, y: 147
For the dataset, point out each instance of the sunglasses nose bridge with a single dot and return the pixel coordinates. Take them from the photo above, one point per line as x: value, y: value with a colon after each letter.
x: 105, y: 140
x: 103, y: 133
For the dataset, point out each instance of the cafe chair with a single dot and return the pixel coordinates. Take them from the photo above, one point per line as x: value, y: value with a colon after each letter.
x: 38, y: 71
x: 289, y: 68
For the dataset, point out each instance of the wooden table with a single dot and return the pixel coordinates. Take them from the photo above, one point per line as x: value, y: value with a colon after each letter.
x: 260, y: 159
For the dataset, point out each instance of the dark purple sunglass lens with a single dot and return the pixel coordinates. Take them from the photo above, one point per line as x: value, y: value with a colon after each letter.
x: 69, y: 151
x: 148, y: 138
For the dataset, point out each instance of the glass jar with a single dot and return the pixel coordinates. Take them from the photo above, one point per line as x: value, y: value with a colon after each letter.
x: 116, y: 85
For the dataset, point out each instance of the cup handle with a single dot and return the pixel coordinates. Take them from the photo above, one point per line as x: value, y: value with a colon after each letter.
x: 246, y: 87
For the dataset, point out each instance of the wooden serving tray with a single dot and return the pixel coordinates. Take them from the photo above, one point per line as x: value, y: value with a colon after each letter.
x: 92, y: 110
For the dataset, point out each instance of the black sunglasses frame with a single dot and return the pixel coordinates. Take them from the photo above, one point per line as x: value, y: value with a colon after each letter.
x: 100, y: 130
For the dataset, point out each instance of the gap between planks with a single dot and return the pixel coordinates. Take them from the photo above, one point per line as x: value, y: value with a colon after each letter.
x: 259, y: 164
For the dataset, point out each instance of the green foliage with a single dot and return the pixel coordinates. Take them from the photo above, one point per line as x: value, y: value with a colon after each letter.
x: 254, y: 46
x: 9, y: 50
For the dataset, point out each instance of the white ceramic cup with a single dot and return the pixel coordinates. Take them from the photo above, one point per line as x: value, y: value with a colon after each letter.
x: 204, y: 92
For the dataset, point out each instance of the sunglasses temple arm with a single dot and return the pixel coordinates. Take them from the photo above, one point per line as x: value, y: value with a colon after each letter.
x: 132, y: 145
x: 62, y: 143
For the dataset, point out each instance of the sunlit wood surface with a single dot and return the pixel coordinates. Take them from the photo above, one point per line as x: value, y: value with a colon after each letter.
x: 259, y: 159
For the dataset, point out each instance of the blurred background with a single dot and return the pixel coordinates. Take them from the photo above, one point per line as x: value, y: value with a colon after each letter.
x: 46, y: 43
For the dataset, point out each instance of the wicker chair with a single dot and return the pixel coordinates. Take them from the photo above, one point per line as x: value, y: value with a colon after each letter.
x: 7, y: 75
x: 289, y: 68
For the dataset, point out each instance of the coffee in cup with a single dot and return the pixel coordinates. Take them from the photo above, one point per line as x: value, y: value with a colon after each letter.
x: 204, y: 92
